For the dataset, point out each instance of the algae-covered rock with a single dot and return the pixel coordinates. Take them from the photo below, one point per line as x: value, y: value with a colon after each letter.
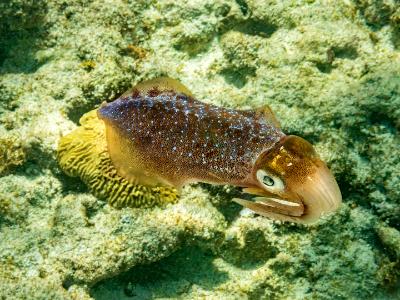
x: 330, y: 71
x: 390, y: 238
x: 12, y: 153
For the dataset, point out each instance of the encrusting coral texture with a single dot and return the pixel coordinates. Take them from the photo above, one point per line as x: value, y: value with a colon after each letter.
x: 83, y: 153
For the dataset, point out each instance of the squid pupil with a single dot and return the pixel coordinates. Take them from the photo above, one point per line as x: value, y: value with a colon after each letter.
x: 268, y: 181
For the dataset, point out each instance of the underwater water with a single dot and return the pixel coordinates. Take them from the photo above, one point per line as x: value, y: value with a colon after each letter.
x: 329, y: 70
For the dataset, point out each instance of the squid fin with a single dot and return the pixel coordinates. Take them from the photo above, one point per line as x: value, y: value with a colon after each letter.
x: 159, y: 85
x: 265, y: 113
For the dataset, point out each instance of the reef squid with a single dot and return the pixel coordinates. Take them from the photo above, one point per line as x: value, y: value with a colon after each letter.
x: 159, y: 134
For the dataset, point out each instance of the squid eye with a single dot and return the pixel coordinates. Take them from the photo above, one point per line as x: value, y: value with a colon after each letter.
x: 268, y: 181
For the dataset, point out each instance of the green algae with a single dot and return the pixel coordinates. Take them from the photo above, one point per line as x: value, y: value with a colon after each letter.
x: 389, y: 271
x: 330, y: 71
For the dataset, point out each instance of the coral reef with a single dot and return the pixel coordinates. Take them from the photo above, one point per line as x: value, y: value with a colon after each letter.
x: 11, y: 153
x: 83, y: 153
x: 329, y: 70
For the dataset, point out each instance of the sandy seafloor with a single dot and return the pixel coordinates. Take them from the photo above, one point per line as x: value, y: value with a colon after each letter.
x: 329, y: 69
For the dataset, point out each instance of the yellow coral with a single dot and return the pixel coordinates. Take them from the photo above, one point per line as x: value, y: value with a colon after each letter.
x: 83, y: 153
x: 11, y: 154
x: 88, y: 65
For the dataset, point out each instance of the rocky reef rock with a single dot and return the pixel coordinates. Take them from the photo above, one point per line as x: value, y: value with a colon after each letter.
x: 329, y: 69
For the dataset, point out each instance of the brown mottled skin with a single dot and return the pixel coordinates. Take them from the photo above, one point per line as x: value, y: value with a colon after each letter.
x: 182, y: 139
x: 157, y: 133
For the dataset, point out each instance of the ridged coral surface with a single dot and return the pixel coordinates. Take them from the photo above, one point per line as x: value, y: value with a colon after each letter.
x: 83, y: 153
x: 330, y: 70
